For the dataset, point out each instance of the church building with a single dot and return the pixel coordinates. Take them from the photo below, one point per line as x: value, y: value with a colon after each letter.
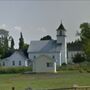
x: 47, y: 54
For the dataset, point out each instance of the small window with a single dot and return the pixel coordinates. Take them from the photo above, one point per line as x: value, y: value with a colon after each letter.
x: 49, y: 64
x: 13, y: 63
x: 19, y: 63
x: 3, y: 63
x: 60, y: 32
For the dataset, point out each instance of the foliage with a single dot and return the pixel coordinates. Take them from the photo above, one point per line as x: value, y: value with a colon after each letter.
x: 78, y: 58
x: 25, y: 48
x: 48, y: 37
x: 87, y: 48
x: 64, y: 64
x: 21, y: 42
x: 81, y: 67
x: 85, y: 31
x: 4, y: 70
x: 12, y: 43
x: 85, y: 37
x: 76, y: 45
x: 8, y: 53
x: 3, y: 46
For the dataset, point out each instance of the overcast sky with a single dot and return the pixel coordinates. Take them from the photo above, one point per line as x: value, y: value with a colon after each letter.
x: 38, y: 18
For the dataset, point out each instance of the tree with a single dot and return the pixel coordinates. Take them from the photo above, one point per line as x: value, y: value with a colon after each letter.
x: 75, y: 45
x: 48, y: 37
x: 78, y: 58
x: 12, y: 43
x: 85, y: 37
x: 6, y: 44
x: 87, y: 49
x: 25, y: 48
x: 21, y: 42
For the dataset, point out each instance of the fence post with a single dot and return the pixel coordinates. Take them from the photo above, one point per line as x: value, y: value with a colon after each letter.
x: 13, y: 88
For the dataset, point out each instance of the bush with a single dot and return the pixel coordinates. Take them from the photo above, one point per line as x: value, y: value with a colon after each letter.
x: 64, y: 64
x: 78, y: 58
x: 14, y: 69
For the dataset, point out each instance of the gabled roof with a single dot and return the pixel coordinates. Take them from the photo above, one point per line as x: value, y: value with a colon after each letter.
x: 61, y: 27
x: 20, y: 53
x: 43, y: 46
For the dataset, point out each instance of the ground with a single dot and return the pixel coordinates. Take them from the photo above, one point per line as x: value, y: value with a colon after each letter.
x: 65, y: 79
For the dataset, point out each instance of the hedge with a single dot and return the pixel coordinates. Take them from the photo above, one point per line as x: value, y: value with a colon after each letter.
x: 14, y: 69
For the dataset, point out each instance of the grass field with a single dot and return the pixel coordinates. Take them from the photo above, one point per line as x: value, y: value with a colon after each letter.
x: 21, y: 81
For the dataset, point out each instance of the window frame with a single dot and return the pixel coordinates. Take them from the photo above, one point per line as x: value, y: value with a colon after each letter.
x: 13, y: 63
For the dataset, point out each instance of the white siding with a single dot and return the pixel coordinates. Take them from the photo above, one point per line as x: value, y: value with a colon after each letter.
x: 56, y: 56
x: 16, y: 57
x: 40, y: 64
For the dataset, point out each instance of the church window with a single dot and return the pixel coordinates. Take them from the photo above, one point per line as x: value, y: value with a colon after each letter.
x: 19, y: 63
x: 13, y: 63
x: 60, y: 32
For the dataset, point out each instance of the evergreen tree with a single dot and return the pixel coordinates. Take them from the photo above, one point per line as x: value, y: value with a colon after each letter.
x: 12, y: 43
x: 21, y: 42
x: 6, y: 44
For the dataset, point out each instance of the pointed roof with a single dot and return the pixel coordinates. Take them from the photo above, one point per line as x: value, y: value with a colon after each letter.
x: 61, y: 27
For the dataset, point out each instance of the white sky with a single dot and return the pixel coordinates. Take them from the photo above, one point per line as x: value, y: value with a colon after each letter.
x: 37, y: 18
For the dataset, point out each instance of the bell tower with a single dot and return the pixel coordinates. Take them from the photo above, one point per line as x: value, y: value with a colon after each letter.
x: 61, y: 34
x: 61, y: 43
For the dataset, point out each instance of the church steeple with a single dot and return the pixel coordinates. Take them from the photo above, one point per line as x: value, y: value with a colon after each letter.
x: 61, y: 27
x: 61, y: 42
x: 61, y: 31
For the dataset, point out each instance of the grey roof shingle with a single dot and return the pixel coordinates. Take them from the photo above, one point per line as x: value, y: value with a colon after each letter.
x: 43, y: 46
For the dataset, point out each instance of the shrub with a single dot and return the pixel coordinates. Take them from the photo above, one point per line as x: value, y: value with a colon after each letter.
x: 78, y: 58
x: 14, y: 69
x: 64, y: 64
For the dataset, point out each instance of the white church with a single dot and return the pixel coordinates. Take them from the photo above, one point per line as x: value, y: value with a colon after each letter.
x: 43, y: 55
x: 46, y: 55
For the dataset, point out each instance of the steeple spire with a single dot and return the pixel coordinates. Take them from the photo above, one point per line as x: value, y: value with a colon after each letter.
x: 61, y: 21
x: 61, y: 27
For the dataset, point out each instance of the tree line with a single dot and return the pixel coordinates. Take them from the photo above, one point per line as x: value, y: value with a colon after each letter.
x: 83, y: 43
x: 6, y: 50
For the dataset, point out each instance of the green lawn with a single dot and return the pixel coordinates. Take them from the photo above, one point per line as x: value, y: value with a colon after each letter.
x: 21, y: 81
